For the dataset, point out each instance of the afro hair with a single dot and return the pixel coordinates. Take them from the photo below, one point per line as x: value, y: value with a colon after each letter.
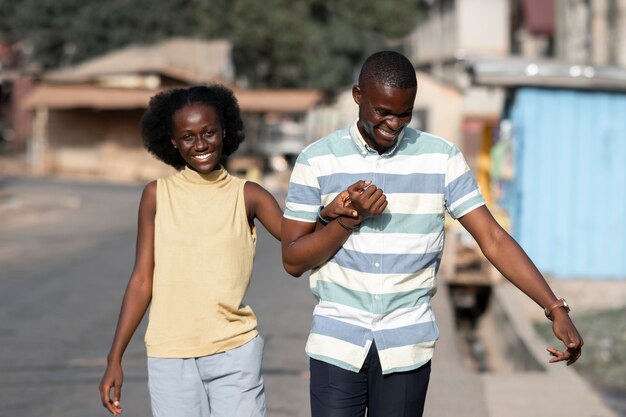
x: 157, y: 125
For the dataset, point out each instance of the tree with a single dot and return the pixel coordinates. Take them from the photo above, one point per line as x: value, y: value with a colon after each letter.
x: 65, y: 32
x: 309, y: 43
x: 276, y: 43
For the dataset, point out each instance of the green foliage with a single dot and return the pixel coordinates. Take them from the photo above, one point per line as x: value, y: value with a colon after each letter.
x: 65, y: 32
x: 389, y: 18
x: 276, y: 43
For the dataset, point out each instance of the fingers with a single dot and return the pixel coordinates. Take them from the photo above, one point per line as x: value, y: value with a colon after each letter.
x: 345, y: 212
x: 376, y: 201
x: 557, y: 355
x: 565, y: 331
x: 358, y: 186
x: 359, y: 201
x: 362, y: 190
x: 369, y: 191
x: 570, y: 355
x: 379, y: 205
x: 368, y: 201
x: 340, y: 206
x: 111, y: 404
x: 344, y: 199
x: 117, y: 396
x: 574, y: 348
x: 572, y: 339
x: 574, y: 357
x: 104, y: 395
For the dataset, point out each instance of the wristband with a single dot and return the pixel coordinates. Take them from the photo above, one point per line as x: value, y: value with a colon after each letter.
x: 558, y: 303
x: 321, y: 218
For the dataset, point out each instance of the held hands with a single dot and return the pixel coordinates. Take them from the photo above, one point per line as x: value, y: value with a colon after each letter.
x: 367, y: 199
x: 112, y: 379
x: 340, y: 206
x: 565, y: 331
x: 359, y: 201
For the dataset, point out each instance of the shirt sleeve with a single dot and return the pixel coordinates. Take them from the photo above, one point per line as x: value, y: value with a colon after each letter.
x: 303, y: 195
x: 461, y: 193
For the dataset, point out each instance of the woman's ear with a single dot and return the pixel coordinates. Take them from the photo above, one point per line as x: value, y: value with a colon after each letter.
x: 173, y: 143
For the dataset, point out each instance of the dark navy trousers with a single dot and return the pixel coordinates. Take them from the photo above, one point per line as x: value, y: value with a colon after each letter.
x: 336, y: 392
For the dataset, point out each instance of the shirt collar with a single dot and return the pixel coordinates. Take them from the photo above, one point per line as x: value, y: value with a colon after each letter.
x: 364, y: 148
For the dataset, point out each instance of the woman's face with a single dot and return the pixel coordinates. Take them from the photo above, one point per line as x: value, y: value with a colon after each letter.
x: 198, y: 135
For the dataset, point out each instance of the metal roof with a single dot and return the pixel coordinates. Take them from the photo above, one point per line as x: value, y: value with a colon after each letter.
x: 86, y: 96
x: 517, y: 72
x: 190, y: 60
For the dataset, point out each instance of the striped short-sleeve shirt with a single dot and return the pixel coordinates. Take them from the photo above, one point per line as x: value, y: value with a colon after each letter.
x: 378, y: 285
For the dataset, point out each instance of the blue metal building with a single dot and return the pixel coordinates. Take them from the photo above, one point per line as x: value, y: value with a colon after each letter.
x: 567, y: 199
x: 569, y: 208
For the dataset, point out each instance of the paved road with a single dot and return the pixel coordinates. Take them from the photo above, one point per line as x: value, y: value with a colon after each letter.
x: 66, y: 251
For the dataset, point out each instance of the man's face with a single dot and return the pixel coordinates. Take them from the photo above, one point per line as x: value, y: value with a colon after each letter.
x: 383, y: 112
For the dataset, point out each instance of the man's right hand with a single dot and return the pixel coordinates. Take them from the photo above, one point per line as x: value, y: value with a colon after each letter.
x: 367, y: 199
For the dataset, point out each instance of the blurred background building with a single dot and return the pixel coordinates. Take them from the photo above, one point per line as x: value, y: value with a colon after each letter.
x: 533, y: 91
x: 87, y: 116
x: 15, y: 84
x: 540, y: 93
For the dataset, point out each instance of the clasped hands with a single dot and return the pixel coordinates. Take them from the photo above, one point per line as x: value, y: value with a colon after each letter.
x: 358, y: 202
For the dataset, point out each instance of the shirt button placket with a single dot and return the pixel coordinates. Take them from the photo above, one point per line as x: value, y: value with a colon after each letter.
x: 377, y: 223
x: 380, y: 163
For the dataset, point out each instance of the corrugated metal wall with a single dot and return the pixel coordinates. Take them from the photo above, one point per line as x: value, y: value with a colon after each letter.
x: 569, y: 210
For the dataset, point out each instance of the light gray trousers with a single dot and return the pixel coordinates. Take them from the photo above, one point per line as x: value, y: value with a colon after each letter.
x: 226, y: 384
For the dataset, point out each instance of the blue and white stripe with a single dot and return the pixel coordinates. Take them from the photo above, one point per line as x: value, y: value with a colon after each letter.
x: 378, y: 286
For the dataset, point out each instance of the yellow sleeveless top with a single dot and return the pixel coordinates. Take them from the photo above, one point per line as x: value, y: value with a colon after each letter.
x: 203, y: 254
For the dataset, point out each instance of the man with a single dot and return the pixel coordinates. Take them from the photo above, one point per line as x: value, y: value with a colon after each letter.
x: 373, y: 331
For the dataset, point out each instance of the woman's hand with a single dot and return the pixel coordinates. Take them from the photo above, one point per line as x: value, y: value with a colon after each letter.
x: 112, y: 379
x: 340, y: 206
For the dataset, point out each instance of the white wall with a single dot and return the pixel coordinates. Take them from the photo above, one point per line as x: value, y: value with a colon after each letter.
x: 444, y: 106
x: 468, y: 27
x: 483, y: 26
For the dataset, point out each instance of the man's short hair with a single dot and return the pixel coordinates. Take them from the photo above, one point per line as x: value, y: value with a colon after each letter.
x: 388, y: 68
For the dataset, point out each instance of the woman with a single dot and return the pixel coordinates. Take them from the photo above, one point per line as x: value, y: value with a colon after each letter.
x: 195, y: 248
